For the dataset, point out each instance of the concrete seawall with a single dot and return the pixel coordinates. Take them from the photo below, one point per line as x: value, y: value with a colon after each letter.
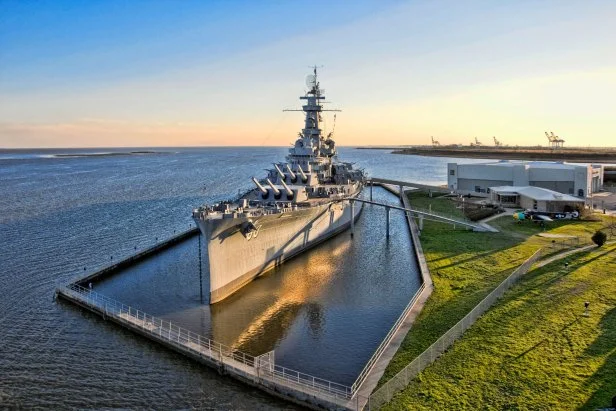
x: 419, y: 254
x: 408, y: 316
x: 414, y: 230
x: 260, y: 372
x: 293, y: 386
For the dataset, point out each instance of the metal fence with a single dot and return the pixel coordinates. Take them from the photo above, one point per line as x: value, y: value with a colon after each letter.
x: 379, y: 351
x: 560, y: 243
x: 251, y: 367
x: 397, y: 383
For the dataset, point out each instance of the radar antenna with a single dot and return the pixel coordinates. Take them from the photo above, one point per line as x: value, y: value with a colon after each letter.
x: 311, y: 80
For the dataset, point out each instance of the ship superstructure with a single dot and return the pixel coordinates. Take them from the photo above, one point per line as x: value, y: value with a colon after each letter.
x: 300, y: 203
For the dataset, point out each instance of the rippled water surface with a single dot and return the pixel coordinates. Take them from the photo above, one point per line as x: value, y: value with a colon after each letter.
x: 323, y: 312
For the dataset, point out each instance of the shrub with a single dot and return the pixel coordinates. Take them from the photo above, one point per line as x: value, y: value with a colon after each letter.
x: 599, y: 238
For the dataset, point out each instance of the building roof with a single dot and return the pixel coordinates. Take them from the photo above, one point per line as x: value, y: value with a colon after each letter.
x: 532, y: 164
x: 536, y: 193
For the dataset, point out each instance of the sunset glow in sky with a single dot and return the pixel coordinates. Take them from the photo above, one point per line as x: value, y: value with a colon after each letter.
x: 198, y: 73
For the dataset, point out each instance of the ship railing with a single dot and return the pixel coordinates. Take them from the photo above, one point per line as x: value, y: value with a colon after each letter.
x: 255, y: 368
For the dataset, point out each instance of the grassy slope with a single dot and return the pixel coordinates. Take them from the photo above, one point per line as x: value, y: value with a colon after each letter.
x: 465, y: 266
x: 534, y: 349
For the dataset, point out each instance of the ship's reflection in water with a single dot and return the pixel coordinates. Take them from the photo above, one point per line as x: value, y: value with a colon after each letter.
x: 323, y: 312
x: 269, y: 307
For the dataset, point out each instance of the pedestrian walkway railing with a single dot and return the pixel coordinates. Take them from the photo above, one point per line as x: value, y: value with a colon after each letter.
x: 263, y: 368
x: 381, y: 348
x: 398, y: 382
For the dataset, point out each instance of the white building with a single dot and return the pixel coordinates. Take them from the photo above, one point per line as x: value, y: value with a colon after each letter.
x: 573, y: 179
x: 536, y: 199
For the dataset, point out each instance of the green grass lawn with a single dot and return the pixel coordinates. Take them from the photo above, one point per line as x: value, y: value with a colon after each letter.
x: 535, y: 349
x: 465, y: 267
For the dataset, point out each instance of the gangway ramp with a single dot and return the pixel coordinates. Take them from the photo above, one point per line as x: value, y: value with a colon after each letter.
x: 397, y: 187
x: 482, y: 227
x: 438, y: 189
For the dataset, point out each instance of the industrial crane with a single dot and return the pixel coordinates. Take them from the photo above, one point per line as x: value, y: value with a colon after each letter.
x: 477, y: 143
x: 555, y: 142
x: 435, y: 143
x: 496, y: 142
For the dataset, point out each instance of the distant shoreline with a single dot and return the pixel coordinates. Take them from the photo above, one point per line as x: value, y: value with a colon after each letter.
x: 122, y: 153
x: 571, y: 155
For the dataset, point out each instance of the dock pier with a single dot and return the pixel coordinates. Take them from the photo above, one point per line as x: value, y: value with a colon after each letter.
x: 259, y: 371
x: 125, y: 262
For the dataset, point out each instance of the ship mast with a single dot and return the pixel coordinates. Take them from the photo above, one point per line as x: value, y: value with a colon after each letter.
x: 311, y: 142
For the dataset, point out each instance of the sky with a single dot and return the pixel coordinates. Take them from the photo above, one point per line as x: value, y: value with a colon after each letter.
x: 219, y: 73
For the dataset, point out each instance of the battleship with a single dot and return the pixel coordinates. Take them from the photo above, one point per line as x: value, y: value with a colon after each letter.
x: 300, y: 203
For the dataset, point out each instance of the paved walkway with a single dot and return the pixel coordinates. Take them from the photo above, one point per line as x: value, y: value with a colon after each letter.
x: 548, y: 235
x: 560, y: 256
x: 568, y: 253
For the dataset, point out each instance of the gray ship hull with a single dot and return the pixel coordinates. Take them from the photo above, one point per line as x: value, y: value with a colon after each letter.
x: 236, y: 259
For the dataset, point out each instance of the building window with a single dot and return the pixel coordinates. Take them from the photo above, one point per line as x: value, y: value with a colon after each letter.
x: 477, y: 189
x: 580, y: 193
x: 488, y: 190
x: 452, y: 172
x: 534, y: 204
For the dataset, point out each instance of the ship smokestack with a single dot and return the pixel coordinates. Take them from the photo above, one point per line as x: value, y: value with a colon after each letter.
x: 291, y: 173
x: 304, y: 178
x: 274, y: 189
x: 262, y: 189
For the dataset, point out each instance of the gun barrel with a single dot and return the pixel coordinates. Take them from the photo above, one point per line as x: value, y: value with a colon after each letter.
x: 299, y: 168
x: 274, y: 189
x: 291, y: 173
x: 259, y: 186
x: 287, y: 189
x: 279, y: 172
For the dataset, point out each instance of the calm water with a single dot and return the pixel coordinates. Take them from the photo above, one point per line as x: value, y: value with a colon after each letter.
x: 324, y: 312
